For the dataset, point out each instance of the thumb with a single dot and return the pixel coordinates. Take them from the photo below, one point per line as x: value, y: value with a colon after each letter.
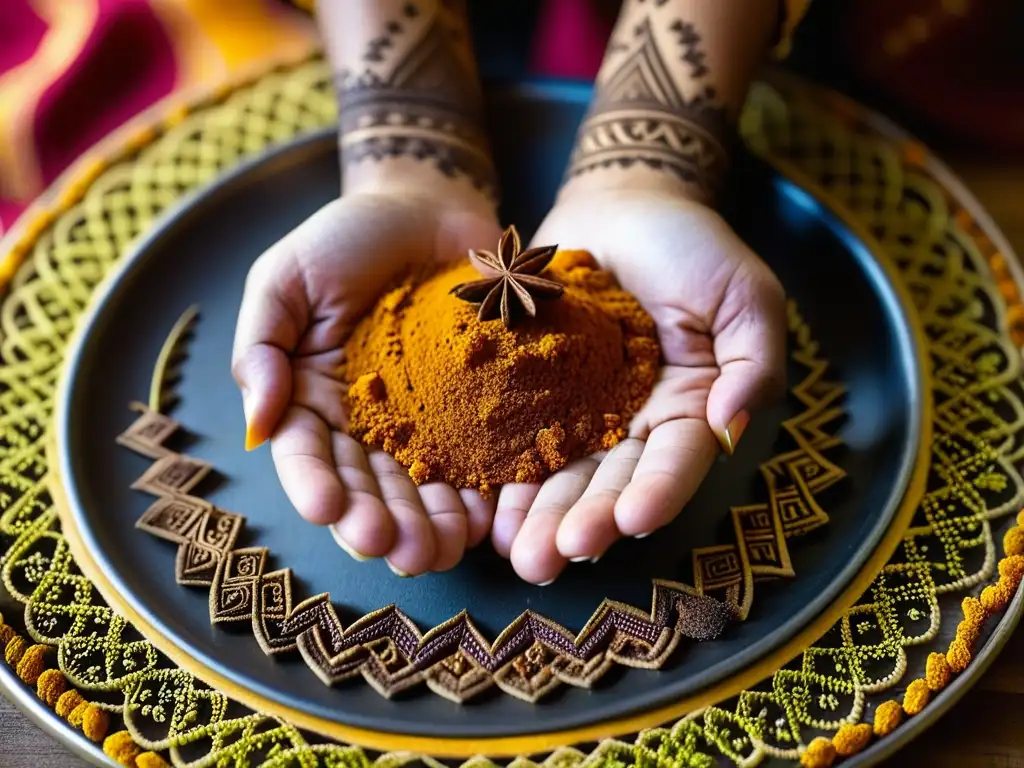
x: 750, y: 350
x: 270, y: 324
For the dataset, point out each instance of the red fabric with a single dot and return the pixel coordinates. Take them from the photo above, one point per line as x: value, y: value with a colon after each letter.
x: 21, y: 30
x: 571, y: 39
x: 126, y: 65
x: 72, y: 71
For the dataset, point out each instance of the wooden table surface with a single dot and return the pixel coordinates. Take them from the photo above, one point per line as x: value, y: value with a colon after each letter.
x: 984, y: 730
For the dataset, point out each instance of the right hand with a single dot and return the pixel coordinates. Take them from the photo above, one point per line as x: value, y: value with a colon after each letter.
x: 302, y: 298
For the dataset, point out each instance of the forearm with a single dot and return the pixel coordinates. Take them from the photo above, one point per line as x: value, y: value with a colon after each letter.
x: 408, y: 95
x: 668, y: 94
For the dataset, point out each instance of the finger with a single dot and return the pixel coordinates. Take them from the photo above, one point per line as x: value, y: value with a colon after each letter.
x: 366, y: 529
x: 514, y: 502
x: 301, y: 449
x: 588, y: 528
x: 479, y: 515
x: 415, y: 548
x: 535, y: 554
x: 447, y: 514
x: 270, y: 322
x: 320, y: 393
x: 675, y: 459
x: 750, y: 349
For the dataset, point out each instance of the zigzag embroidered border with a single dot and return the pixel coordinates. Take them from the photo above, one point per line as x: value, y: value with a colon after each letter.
x: 534, y: 654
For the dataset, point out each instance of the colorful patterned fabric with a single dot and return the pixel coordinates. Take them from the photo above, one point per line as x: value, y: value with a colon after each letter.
x: 71, y: 71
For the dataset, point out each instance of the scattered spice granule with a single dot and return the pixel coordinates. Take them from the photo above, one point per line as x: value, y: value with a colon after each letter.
x: 475, y: 404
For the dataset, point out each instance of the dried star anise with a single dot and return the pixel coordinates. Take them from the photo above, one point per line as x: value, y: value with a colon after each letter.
x: 512, y: 279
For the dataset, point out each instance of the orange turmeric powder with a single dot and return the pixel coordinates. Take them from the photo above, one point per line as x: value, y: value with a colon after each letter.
x: 475, y: 404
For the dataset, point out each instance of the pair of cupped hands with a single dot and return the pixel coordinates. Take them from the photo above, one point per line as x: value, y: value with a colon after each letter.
x: 720, y: 315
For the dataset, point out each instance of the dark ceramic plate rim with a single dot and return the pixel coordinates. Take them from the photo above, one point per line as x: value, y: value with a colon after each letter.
x: 135, y: 259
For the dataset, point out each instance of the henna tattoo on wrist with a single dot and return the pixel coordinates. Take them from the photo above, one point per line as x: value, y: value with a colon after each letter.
x: 414, y: 94
x: 641, y: 115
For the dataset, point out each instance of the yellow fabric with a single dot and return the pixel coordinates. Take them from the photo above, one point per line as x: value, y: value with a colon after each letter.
x: 792, y: 13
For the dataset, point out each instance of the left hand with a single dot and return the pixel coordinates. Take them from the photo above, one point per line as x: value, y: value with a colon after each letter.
x: 720, y: 314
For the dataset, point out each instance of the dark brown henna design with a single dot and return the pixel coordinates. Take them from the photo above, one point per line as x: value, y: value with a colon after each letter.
x: 417, y: 97
x: 640, y: 115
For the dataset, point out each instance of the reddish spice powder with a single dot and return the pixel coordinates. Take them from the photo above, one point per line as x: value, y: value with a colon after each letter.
x: 477, y: 405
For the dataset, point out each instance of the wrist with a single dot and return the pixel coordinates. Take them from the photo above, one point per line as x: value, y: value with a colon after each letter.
x: 638, y: 178
x: 411, y: 179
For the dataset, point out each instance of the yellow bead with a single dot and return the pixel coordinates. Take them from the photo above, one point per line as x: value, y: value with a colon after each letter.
x: 851, y: 739
x: 32, y: 664
x: 937, y: 672
x: 50, y: 686
x: 1011, y: 568
x: 973, y: 610
x: 7, y: 634
x: 121, y: 748
x: 77, y: 716
x: 95, y: 723
x: 1013, y: 541
x: 916, y: 698
x: 993, y: 600
x: 819, y: 754
x: 888, y: 716
x: 150, y: 760
x: 958, y: 656
x: 68, y: 702
x: 15, y: 649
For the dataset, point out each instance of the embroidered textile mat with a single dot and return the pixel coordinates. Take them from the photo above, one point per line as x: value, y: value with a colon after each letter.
x: 949, y: 258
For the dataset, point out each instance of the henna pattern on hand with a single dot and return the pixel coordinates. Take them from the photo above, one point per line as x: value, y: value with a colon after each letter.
x: 639, y: 113
x: 415, y: 95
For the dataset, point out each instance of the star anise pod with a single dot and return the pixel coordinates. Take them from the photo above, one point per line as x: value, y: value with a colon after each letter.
x: 512, y: 281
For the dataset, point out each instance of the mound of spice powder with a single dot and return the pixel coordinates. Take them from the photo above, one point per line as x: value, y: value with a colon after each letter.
x: 476, y: 404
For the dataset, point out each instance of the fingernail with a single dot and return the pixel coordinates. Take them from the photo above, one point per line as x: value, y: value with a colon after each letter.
x: 397, y: 571
x: 645, y: 535
x: 253, y: 439
x: 546, y: 583
x: 731, y: 437
x: 580, y: 559
x: 595, y: 559
x: 348, y: 550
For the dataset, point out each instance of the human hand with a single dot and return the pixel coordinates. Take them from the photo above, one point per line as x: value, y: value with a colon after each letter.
x: 720, y: 314
x: 302, y: 298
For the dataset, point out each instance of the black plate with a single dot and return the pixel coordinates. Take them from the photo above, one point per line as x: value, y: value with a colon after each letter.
x: 201, y: 254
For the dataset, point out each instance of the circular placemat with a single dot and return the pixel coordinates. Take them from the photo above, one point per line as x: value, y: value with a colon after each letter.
x: 818, y: 497
x: 893, y: 651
